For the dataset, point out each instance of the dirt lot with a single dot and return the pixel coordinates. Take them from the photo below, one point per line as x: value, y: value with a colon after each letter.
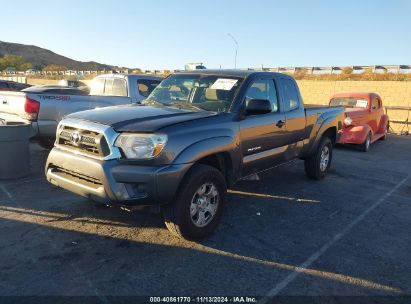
x: 283, y: 235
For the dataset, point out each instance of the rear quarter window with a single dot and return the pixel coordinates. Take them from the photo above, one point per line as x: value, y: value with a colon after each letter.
x: 97, y: 86
x: 290, y: 94
x: 375, y: 104
x: 119, y: 87
x: 108, y: 87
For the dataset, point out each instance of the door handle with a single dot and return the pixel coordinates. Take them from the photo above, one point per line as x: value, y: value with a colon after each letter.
x: 280, y: 123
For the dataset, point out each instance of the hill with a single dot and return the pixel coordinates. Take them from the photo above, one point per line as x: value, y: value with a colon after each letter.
x: 40, y: 57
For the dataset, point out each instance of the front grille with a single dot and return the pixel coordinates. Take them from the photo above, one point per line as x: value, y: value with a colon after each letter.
x: 85, y: 141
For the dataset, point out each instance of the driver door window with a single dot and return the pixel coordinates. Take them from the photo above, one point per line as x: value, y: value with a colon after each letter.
x: 262, y: 139
x: 375, y: 104
x: 375, y: 115
x: 263, y: 89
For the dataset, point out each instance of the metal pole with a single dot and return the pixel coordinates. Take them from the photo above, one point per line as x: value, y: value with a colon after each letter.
x: 236, y: 49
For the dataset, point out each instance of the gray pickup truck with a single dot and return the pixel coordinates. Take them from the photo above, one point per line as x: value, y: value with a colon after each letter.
x: 45, y: 106
x: 195, y: 135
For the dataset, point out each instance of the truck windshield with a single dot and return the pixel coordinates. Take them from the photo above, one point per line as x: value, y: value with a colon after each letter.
x: 201, y: 92
x: 349, y: 102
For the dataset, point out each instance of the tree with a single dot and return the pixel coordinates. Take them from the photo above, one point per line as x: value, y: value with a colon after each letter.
x: 368, y: 74
x: 12, y: 61
x: 300, y: 74
x: 347, y: 71
x: 54, y: 67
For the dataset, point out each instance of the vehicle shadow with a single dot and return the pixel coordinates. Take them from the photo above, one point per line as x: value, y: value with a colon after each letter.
x: 70, y: 258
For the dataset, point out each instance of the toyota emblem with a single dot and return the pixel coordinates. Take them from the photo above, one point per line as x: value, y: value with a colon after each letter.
x: 75, y: 138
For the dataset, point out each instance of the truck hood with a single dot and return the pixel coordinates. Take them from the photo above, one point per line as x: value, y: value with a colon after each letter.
x: 138, y: 118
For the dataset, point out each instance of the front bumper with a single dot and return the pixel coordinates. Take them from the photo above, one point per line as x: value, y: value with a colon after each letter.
x: 353, y: 135
x: 114, y: 182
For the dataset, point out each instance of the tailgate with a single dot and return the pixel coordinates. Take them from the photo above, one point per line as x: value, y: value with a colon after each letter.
x: 12, y: 104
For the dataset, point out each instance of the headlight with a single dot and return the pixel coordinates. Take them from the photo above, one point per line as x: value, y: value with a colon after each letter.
x: 348, y: 121
x: 141, y: 146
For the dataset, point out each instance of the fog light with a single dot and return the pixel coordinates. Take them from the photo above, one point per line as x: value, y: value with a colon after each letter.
x: 136, y: 190
x: 121, y: 192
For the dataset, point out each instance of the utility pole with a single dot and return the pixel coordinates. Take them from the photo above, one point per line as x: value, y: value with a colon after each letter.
x: 236, y: 49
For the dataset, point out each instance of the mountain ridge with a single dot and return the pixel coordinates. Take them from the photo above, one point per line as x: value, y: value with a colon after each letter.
x: 41, y: 57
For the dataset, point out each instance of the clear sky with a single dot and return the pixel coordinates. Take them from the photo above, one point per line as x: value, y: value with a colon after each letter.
x: 169, y: 33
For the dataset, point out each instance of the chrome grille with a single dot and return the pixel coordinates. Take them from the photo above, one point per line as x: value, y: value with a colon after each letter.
x: 85, y: 141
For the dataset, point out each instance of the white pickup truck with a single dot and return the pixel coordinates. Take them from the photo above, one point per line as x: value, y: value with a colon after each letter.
x: 45, y: 106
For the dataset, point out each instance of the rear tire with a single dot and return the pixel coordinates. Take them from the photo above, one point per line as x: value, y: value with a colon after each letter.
x: 46, y: 143
x: 317, y: 165
x: 365, y: 146
x: 198, y: 205
x: 385, y: 133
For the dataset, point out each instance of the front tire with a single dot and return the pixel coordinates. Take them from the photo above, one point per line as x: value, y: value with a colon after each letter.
x: 198, y: 206
x: 365, y: 146
x: 317, y: 165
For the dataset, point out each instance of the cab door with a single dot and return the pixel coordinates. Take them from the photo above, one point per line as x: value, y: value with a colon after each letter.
x: 263, y: 137
x: 294, y: 115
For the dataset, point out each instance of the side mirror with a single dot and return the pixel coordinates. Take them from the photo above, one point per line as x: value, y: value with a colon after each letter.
x: 258, y: 106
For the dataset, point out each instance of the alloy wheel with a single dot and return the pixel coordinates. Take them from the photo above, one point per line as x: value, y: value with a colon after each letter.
x: 324, y: 158
x: 204, y: 205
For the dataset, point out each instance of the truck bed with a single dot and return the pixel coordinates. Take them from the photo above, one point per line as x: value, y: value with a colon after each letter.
x: 317, y: 109
x: 315, y: 114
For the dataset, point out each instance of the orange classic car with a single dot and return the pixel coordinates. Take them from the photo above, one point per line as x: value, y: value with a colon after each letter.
x: 365, y: 121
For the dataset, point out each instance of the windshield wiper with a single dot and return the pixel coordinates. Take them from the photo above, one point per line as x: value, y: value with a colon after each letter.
x: 184, y: 105
x: 148, y: 102
x: 180, y: 105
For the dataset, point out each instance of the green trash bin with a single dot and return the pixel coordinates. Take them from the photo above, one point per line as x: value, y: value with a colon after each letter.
x: 14, y: 150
